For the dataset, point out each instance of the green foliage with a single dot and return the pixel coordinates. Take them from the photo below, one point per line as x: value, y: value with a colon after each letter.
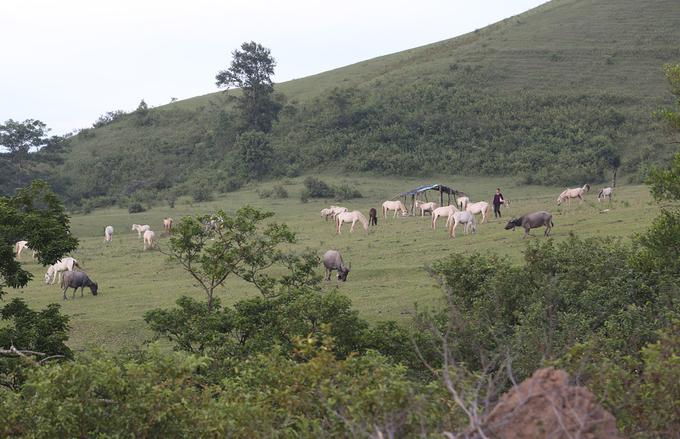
x: 254, y: 154
x: 346, y: 192
x: 672, y: 117
x: 573, y: 292
x: 278, y: 191
x: 20, y: 137
x: 45, y: 332
x: 136, y: 208
x: 251, y: 70
x: 36, y: 215
x: 110, y: 117
x: 316, y: 188
x: 665, y: 183
x: 660, y: 244
x: 142, y: 114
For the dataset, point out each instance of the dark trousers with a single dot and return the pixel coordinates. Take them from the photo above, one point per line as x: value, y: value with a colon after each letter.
x: 497, y: 210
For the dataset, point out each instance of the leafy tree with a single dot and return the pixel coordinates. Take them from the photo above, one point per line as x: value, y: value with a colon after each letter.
x: 672, y: 72
x: 213, y: 247
x: 142, y: 114
x: 251, y: 70
x: 254, y: 154
x: 20, y: 137
x: 36, y: 215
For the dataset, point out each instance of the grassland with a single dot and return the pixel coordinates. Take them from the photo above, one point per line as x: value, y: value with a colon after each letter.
x: 387, y: 277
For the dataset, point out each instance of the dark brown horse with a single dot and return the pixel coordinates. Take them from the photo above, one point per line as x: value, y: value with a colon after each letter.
x: 372, y: 217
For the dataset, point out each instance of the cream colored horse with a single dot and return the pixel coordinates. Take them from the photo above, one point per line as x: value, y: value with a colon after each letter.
x: 425, y: 207
x: 21, y: 246
x: 568, y: 194
x: 167, y: 225
x: 108, y: 233
x: 54, y: 272
x: 446, y: 211
x: 463, y: 202
x: 605, y: 193
x: 350, y: 217
x: 149, y: 239
x: 478, y: 207
x: 397, y: 206
x: 332, y: 211
x: 464, y: 217
x: 140, y: 229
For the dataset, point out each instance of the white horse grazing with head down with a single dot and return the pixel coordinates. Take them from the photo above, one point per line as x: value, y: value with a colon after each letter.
x: 461, y: 217
x: 425, y: 207
x: 149, y: 239
x: 332, y: 211
x: 478, y: 207
x: 568, y: 194
x: 55, y: 271
x: 140, y: 229
x: 397, y: 206
x: 21, y: 246
x: 446, y: 211
x: 108, y: 234
x: 605, y: 193
x: 350, y: 217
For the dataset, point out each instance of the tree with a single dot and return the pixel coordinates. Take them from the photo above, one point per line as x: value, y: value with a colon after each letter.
x: 36, y: 215
x: 672, y: 72
x: 213, y: 247
x: 142, y: 116
x: 254, y: 153
x: 20, y: 137
x: 251, y: 70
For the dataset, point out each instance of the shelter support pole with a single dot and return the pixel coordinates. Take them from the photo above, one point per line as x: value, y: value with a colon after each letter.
x: 441, y: 196
x: 413, y: 204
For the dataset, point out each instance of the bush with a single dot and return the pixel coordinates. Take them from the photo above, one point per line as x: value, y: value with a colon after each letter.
x: 136, y: 208
x: 318, y: 188
x: 346, y: 192
x: 304, y: 195
x: 279, y: 191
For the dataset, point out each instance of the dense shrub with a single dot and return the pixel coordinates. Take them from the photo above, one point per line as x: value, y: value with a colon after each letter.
x: 136, y: 208
x: 346, y: 192
x: 316, y: 188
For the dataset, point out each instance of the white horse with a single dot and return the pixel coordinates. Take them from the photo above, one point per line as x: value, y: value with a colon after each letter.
x: 167, y: 225
x: 462, y: 202
x: 464, y: 217
x: 332, y: 211
x: 605, y: 193
x: 55, y: 271
x: 397, y: 206
x: 425, y: 207
x: 140, y: 229
x: 568, y: 194
x: 446, y: 211
x: 21, y: 246
x: 108, y: 233
x: 350, y: 217
x: 479, y: 207
x: 149, y: 239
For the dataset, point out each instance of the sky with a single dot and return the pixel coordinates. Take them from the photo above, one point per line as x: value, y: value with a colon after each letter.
x: 68, y: 62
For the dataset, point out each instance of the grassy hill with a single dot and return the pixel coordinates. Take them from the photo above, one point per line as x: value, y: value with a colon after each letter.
x: 557, y: 95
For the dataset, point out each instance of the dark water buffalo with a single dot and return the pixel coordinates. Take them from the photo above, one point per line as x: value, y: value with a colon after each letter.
x: 372, y: 217
x: 75, y: 280
x: 332, y: 260
x: 532, y: 221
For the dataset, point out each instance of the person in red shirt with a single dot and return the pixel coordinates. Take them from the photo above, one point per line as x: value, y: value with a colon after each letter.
x: 497, y: 201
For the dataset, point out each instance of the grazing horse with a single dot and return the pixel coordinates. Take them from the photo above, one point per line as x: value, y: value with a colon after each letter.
x: 568, y: 194
x: 605, y: 193
x: 479, y: 207
x: 332, y: 211
x: 397, y: 206
x: 425, y: 207
x: 55, y: 271
x: 108, y: 234
x: 20, y: 246
x: 463, y: 217
x: 372, y: 217
x: 463, y: 202
x: 167, y: 225
x: 350, y: 217
x: 446, y: 211
x: 532, y: 221
x: 140, y: 229
x: 149, y: 239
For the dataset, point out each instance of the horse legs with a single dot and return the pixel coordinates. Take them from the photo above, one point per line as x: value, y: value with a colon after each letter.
x: 351, y: 229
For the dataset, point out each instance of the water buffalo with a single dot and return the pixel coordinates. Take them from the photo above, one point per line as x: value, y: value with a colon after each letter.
x: 532, y: 221
x: 75, y: 280
x: 332, y: 260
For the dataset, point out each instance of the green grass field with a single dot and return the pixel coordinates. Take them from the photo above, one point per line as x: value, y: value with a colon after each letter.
x: 387, y: 277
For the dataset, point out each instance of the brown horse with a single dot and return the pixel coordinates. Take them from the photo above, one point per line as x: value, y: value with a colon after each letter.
x: 372, y: 217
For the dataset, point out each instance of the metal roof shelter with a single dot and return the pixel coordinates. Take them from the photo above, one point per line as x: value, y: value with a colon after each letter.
x: 414, y: 193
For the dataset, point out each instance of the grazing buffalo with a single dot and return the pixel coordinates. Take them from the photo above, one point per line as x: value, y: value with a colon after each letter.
x: 372, y: 217
x: 332, y: 260
x: 75, y: 280
x: 532, y: 221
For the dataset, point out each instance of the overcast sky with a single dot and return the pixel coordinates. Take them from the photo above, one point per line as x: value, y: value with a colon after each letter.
x: 67, y: 62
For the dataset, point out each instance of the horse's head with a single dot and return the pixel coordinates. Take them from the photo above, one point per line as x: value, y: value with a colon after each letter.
x: 49, y: 274
x: 134, y: 227
x: 512, y: 224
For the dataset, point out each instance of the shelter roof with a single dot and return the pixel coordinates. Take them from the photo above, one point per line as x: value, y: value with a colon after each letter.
x: 433, y: 187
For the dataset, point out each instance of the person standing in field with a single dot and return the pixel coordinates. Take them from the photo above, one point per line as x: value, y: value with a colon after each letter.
x: 497, y: 201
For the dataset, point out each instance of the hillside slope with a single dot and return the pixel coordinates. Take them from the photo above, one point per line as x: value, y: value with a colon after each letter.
x: 556, y: 95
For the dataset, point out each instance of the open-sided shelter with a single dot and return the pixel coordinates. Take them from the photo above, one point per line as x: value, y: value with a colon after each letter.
x: 421, y: 191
